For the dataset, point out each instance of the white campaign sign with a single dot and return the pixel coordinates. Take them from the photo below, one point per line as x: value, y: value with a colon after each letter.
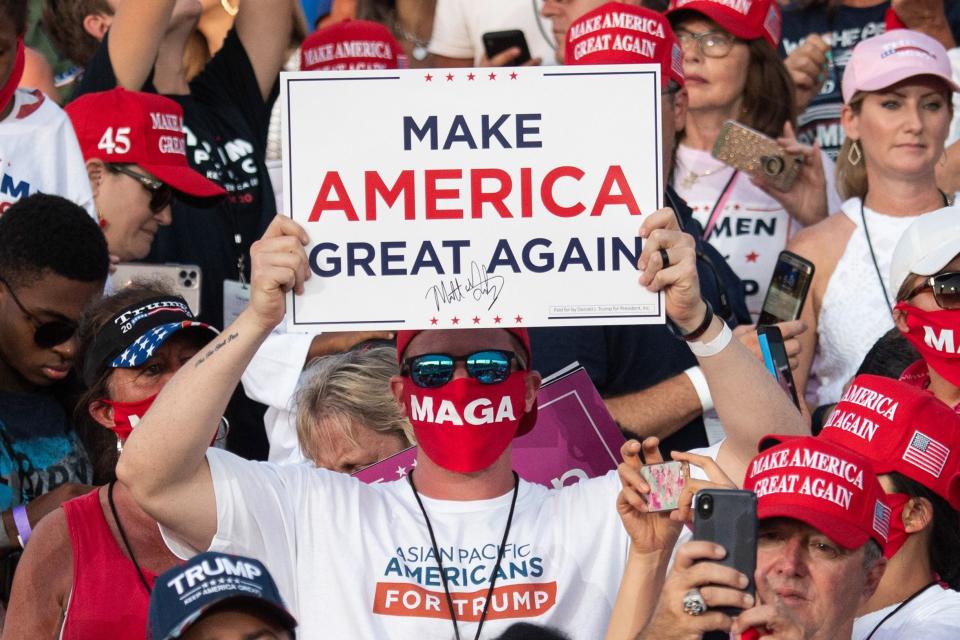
x: 449, y: 198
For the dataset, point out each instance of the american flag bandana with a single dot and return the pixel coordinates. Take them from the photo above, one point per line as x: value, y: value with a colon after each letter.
x: 926, y: 453
x: 143, y: 347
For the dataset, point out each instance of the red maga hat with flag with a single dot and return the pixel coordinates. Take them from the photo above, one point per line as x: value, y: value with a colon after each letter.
x: 745, y: 19
x: 350, y: 45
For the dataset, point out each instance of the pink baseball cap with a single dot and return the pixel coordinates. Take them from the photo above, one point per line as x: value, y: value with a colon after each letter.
x: 617, y: 33
x: 900, y: 428
x: 348, y: 45
x: 824, y: 485
x: 131, y: 127
x: 881, y: 61
x: 745, y: 19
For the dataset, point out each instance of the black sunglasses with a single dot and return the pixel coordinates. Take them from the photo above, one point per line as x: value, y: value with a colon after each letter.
x: 946, y: 289
x: 161, y: 194
x: 46, y: 334
x: 431, y: 370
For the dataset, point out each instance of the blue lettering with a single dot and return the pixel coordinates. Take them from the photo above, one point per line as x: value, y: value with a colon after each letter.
x: 386, y: 257
x: 546, y: 259
x: 569, y: 259
x: 429, y: 127
x: 459, y: 132
x: 18, y: 190
x: 506, y: 260
x: 523, y: 130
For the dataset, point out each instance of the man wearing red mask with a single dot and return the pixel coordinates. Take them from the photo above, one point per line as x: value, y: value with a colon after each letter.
x: 460, y: 547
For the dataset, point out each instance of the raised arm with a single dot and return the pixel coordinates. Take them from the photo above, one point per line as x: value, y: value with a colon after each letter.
x: 137, y: 30
x: 748, y: 400
x: 660, y: 410
x: 163, y: 461
x: 264, y: 29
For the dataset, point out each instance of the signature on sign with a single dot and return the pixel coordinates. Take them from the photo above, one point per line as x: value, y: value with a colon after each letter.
x: 481, y: 286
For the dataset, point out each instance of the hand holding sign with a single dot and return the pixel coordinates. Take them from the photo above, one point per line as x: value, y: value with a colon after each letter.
x: 278, y: 265
x: 678, y: 278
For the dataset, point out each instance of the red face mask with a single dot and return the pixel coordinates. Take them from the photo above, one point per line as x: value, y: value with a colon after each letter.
x: 936, y: 335
x: 127, y: 415
x: 464, y: 426
x: 897, y: 534
x: 13, y: 81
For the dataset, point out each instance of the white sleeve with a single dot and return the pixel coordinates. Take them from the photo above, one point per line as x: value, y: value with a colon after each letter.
x: 451, y: 35
x: 272, y: 375
x: 76, y: 186
x: 830, y: 172
x: 594, y: 501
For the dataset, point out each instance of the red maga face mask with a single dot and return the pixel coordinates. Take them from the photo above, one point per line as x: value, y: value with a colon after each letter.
x: 936, y: 335
x: 464, y: 426
x: 16, y: 73
x: 127, y: 415
x: 897, y: 535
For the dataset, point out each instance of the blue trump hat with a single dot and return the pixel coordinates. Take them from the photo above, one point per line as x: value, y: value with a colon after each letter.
x: 183, y: 594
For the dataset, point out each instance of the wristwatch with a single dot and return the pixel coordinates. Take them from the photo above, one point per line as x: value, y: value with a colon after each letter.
x: 696, y: 333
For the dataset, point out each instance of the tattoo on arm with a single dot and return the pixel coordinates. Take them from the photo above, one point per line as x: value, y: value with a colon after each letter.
x: 220, y: 345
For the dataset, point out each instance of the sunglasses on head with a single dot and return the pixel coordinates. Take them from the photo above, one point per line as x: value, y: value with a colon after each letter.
x: 945, y: 287
x: 160, y: 194
x: 431, y: 370
x: 46, y: 334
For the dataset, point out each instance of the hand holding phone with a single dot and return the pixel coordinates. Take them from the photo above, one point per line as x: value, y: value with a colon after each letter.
x: 788, y: 289
x: 753, y: 153
x: 776, y: 360
x: 728, y: 517
x: 496, y: 42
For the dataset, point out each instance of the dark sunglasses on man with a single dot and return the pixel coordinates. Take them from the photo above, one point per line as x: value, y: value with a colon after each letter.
x: 945, y: 287
x: 432, y: 370
x: 46, y: 334
x: 161, y: 194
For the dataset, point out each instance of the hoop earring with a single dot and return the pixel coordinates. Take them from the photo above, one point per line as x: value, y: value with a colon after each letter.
x: 855, y: 155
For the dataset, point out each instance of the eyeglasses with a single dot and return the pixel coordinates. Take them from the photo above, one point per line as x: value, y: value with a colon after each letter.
x: 46, y: 334
x: 160, y: 194
x: 432, y: 370
x: 946, y: 289
x: 713, y: 44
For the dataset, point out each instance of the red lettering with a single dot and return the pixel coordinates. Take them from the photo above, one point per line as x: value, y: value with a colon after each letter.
x: 434, y: 193
x: 625, y: 196
x: 332, y: 182
x: 526, y: 193
x: 546, y: 192
x: 374, y: 186
x: 478, y: 197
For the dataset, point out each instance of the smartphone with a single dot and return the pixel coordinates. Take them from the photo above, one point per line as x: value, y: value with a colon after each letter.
x: 776, y: 360
x: 495, y: 42
x: 754, y: 153
x: 788, y: 289
x: 666, y: 481
x: 728, y: 517
x: 183, y: 279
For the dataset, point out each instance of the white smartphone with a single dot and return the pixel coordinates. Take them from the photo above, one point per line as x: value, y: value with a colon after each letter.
x: 183, y: 279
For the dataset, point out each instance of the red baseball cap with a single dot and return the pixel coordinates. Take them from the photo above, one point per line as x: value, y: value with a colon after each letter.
x: 745, y: 19
x: 529, y: 419
x: 824, y: 485
x: 900, y: 428
x: 351, y: 44
x: 130, y: 127
x: 617, y: 33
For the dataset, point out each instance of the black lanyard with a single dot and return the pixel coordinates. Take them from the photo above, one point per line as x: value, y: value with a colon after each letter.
x: 123, y: 536
x: 443, y: 575
x: 897, y: 610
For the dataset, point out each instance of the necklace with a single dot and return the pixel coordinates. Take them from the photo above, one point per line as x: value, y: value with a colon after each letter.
x: 419, y: 50
x: 693, y: 177
x: 897, y: 610
x: 443, y: 575
x: 123, y: 536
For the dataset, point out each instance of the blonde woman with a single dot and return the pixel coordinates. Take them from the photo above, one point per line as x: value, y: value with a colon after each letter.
x: 897, y: 91
x: 347, y: 418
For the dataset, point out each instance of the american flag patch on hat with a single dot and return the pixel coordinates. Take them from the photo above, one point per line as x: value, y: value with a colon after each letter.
x: 143, y: 347
x: 881, y: 519
x: 927, y: 454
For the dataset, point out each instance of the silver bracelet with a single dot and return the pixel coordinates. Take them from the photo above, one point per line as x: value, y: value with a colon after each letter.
x: 715, y: 346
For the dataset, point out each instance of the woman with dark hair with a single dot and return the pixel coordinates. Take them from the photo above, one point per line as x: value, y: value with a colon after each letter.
x: 733, y: 72
x: 913, y: 442
x: 898, y: 88
x: 90, y: 565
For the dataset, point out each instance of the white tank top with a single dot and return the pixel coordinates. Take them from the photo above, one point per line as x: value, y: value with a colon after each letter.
x: 854, y: 313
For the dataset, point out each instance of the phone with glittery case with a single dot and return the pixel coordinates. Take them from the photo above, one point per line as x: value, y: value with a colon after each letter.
x: 754, y: 153
x: 666, y: 481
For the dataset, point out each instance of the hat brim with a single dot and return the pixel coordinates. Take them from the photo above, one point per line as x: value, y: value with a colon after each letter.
x: 843, y: 533
x: 132, y: 356
x: 734, y: 25
x: 186, y: 180
x: 280, y: 614
x: 899, y: 74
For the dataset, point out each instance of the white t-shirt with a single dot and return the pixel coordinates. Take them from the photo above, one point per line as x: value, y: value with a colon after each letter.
x: 40, y: 153
x: 459, y: 25
x: 933, y: 615
x: 354, y: 560
x: 751, y: 228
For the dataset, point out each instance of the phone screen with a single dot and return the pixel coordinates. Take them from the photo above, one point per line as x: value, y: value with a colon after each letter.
x: 776, y: 360
x: 788, y: 290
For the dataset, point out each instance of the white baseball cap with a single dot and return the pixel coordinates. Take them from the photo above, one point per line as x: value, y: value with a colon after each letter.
x: 927, y: 246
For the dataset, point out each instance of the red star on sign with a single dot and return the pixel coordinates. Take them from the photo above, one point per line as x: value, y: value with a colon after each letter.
x: 433, y: 320
x: 470, y: 76
x: 449, y: 77
x: 455, y: 320
x: 497, y: 319
x: 752, y: 256
x: 492, y: 76
x: 519, y: 319
x: 428, y: 77
x: 476, y: 320
x: 513, y: 75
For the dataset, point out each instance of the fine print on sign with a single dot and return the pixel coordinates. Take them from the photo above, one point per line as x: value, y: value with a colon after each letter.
x: 472, y: 197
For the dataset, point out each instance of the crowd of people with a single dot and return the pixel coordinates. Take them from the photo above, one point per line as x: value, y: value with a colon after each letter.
x: 175, y: 463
